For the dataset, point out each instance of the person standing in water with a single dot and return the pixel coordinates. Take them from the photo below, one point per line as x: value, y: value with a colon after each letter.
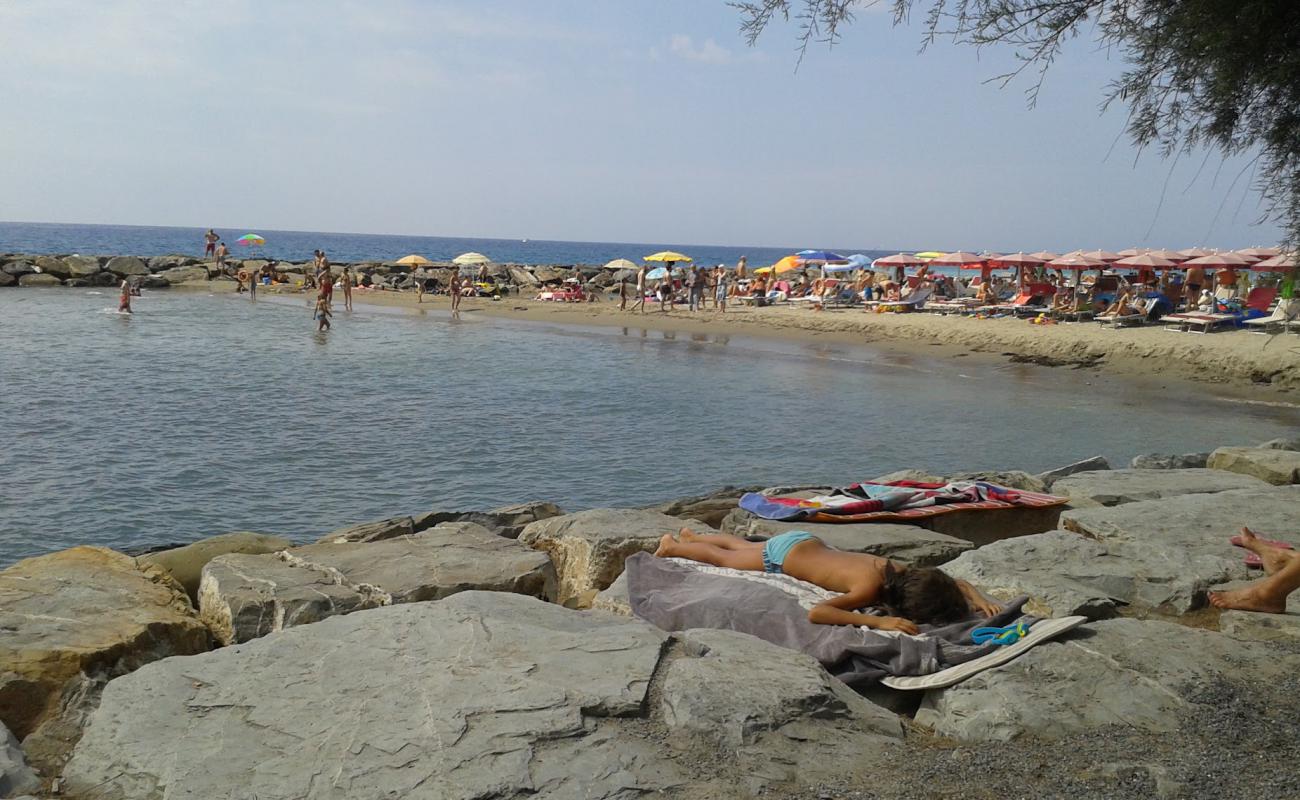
x: 124, y: 301
x: 347, y: 288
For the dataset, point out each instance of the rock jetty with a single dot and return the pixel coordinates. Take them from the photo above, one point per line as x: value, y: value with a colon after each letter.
x: 492, y: 654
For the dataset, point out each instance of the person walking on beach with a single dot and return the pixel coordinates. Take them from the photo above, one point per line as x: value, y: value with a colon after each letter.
x: 455, y: 291
x: 210, y: 240
x: 347, y: 288
x: 640, y: 289
x: 721, y: 288
x: 667, y: 300
x: 622, y: 294
x: 695, y: 288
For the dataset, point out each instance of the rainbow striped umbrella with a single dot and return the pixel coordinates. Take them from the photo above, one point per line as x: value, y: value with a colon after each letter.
x: 250, y: 240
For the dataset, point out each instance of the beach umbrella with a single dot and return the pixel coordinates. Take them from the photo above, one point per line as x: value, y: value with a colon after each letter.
x: 1220, y: 260
x: 250, y: 240
x: 1021, y: 260
x: 658, y: 273
x: 1146, y: 262
x: 1076, y: 260
x: 1103, y: 255
x: 960, y: 259
x: 1260, y: 252
x: 1279, y: 263
x: 900, y: 260
x: 1195, y: 252
x: 1134, y: 251
x: 859, y: 261
x: 1171, y: 255
x: 414, y: 261
x: 1250, y: 258
x: 667, y: 255
x: 620, y: 263
x: 1045, y: 255
x: 787, y: 264
x: 929, y: 254
x: 819, y: 257
x: 471, y: 259
x: 847, y: 266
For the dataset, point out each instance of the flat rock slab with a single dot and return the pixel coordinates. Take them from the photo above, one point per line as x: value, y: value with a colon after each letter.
x: 185, y: 564
x: 1131, y: 673
x: 906, y: 543
x: 242, y: 597
x: 84, y: 611
x: 589, y: 547
x: 506, y: 521
x: 614, y: 599
x: 15, y: 776
x: 1118, y: 486
x: 1277, y: 466
x: 479, y: 695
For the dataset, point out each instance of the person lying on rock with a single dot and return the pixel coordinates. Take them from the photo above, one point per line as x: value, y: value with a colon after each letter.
x: 1268, y: 594
x: 914, y: 595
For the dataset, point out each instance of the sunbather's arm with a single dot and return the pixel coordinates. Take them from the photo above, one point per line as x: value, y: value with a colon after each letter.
x: 839, y: 611
x: 976, y: 600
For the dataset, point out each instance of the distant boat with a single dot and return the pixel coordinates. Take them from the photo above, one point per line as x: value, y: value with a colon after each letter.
x: 525, y: 241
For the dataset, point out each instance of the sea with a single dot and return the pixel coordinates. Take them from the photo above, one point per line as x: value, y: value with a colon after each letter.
x: 201, y: 414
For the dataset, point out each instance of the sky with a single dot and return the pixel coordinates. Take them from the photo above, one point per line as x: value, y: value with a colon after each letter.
x: 621, y: 120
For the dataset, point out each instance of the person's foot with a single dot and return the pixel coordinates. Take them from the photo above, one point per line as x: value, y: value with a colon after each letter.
x: 666, y: 543
x: 1251, y: 598
x: 687, y: 535
x: 1273, y: 557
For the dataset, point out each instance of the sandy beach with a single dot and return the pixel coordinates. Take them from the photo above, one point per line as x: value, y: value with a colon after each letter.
x: 1265, y: 367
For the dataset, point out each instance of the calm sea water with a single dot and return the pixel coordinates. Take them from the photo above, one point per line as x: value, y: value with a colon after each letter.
x: 24, y: 237
x: 204, y: 414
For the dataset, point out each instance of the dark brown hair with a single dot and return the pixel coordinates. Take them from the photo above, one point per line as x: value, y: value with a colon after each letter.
x: 924, y: 595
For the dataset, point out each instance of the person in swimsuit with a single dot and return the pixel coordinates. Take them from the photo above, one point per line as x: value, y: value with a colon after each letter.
x: 124, y: 301
x: 640, y: 290
x: 210, y: 243
x: 347, y: 288
x: 322, y: 313
x: 721, y: 288
x: 455, y: 291
x: 913, y: 595
x: 222, y: 252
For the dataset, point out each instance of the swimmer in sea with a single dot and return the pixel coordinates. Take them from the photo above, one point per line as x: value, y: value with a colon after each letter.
x: 124, y: 301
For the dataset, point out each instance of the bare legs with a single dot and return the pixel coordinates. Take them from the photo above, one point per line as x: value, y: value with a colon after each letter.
x: 718, y: 549
x: 1267, y: 594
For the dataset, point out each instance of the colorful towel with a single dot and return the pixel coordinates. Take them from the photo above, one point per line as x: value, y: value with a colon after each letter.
x: 862, y: 502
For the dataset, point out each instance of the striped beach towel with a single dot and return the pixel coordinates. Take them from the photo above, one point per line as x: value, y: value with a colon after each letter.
x: 898, y: 500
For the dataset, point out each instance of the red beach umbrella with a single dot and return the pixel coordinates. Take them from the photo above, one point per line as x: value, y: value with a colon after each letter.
x: 1171, y: 255
x: 1219, y: 260
x: 961, y: 259
x: 899, y: 260
x: 1146, y: 262
x: 1260, y: 252
x: 1135, y: 251
x: 1045, y: 255
x: 1022, y: 260
x: 1076, y: 261
x: 1103, y: 255
x: 1279, y: 263
x: 1196, y: 252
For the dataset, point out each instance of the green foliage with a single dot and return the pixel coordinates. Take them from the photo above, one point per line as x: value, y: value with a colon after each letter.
x: 1199, y: 74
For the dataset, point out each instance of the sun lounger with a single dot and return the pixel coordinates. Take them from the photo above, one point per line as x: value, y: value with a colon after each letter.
x: 1285, y: 313
x: 1257, y: 303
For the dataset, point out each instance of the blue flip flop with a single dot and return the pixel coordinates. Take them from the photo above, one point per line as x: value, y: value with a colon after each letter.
x: 1006, y: 635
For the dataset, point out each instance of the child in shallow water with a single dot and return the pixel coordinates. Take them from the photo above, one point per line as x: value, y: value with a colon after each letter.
x: 914, y: 595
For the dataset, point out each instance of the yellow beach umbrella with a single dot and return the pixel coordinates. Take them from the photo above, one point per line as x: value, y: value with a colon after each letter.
x: 668, y: 255
x: 930, y: 254
x: 414, y: 261
x: 471, y: 259
x: 621, y: 263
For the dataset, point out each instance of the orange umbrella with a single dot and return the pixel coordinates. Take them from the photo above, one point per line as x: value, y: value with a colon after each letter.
x: 787, y: 264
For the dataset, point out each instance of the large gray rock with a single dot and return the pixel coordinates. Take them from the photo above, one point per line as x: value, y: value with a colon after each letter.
x: 1087, y: 465
x: 82, y: 614
x: 124, y: 266
x: 709, y: 508
x: 8, y: 280
x: 479, y: 695
x: 161, y: 263
x: 50, y: 265
x: 1010, y: 478
x: 1277, y: 466
x: 589, y: 547
x: 1160, y: 461
x: 1129, y: 673
x: 1118, y: 486
x: 177, y: 275
x: 1065, y: 573
x: 778, y: 699
x: 17, y: 268
x: 39, y: 279
x: 15, y: 776
x: 522, y: 277
x: 185, y: 564
x: 1283, y: 444
x: 1188, y: 535
x: 615, y: 599
x: 242, y: 597
x: 81, y: 266
x: 377, y: 531
x: 906, y: 543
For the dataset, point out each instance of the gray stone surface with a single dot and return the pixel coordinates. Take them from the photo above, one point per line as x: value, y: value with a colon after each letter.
x: 589, y: 547
x: 376, y: 531
x: 508, y: 521
x: 50, y: 265
x: 177, y: 275
x: 1282, y: 444
x: 614, y: 599
x: 80, y: 266
x: 15, y: 776
x: 1118, y: 486
x: 709, y: 508
x: 124, y: 266
x: 774, y: 693
x: 242, y: 597
x: 39, y: 279
x: 1160, y: 461
x: 1131, y: 673
x: 1094, y: 464
x: 8, y: 280
x: 17, y: 268
x: 1011, y: 478
x: 185, y: 564
x: 909, y: 475
x: 907, y: 543
x: 1277, y: 466
x: 478, y: 695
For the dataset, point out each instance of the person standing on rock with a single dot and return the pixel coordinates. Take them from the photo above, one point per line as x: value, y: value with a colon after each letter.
x: 210, y: 240
x: 222, y: 252
x: 1282, y: 568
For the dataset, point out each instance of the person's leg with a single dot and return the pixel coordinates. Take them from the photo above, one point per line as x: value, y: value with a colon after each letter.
x: 1273, y: 558
x: 1267, y: 594
x: 722, y: 540
x: 748, y: 559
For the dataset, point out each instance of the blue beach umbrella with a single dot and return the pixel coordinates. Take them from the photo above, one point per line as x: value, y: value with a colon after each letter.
x: 658, y: 273
x: 818, y: 256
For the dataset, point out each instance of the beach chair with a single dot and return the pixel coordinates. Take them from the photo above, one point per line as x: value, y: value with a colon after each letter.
x: 912, y: 302
x: 1284, y: 313
x: 1151, y: 308
x: 1257, y: 303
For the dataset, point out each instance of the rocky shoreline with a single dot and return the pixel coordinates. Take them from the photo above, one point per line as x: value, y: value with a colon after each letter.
x: 493, y: 654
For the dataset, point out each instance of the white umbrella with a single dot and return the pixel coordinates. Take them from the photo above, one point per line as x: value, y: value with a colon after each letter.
x: 471, y: 259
